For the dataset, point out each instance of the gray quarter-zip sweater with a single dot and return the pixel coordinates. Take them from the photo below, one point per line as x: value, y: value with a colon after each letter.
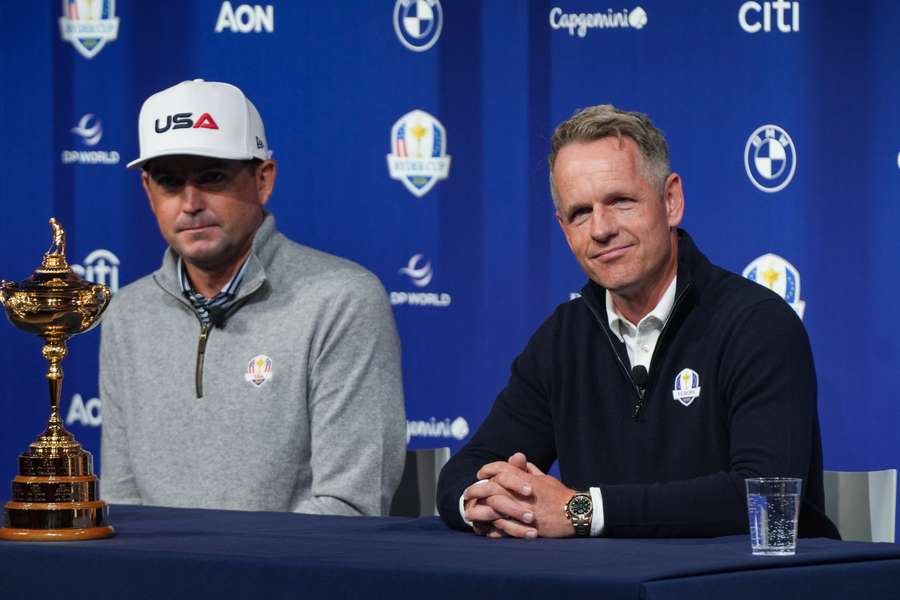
x: 302, y: 401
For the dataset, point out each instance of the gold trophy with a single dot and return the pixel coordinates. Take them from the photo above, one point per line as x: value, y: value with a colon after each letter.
x: 56, y: 495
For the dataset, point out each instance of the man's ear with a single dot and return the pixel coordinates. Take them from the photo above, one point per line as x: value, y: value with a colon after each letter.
x: 265, y: 180
x: 673, y: 196
x: 145, y: 181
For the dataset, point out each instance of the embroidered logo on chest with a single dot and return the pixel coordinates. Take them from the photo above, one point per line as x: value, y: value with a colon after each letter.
x: 687, y: 386
x: 259, y: 370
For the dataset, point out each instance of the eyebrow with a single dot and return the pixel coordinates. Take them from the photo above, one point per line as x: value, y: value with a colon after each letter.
x: 160, y: 170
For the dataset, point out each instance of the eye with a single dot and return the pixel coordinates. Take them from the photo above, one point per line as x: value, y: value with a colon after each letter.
x: 212, y: 177
x: 580, y: 215
x: 167, y: 181
x: 623, y: 201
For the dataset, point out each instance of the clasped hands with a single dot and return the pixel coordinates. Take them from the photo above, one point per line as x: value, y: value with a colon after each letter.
x: 516, y: 499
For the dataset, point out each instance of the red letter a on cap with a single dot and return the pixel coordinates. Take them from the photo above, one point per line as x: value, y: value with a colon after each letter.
x: 206, y: 122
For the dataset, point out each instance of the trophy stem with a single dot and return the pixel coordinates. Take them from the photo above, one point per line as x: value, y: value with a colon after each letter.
x: 54, y: 351
x: 55, y: 441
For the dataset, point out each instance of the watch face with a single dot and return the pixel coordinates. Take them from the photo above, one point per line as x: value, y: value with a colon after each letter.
x: 580, y: 505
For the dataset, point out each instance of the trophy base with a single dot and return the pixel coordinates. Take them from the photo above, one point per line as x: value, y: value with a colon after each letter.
x: 55, y: 498
x: 56, y: 535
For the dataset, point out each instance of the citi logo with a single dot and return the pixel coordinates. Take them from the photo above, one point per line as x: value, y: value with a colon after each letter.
x: 246, y: 18
x: 184, y: 121
x: 755, y: 16
x: 100, y: 266
x: 420, y: 276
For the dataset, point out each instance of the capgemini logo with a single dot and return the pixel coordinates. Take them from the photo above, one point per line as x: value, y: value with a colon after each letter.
x: 420, y: 276
x: 457, y: 429
x: 90, y: 134
x: 579, y: 23
x: 637, y: 18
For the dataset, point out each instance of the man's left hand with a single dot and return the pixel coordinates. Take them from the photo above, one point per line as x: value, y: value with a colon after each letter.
x: 547, y: 500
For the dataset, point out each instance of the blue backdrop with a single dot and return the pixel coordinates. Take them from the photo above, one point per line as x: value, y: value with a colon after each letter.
x: 781, y: 118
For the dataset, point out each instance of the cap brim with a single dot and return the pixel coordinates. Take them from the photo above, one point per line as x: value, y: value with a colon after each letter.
x: 207, y: 152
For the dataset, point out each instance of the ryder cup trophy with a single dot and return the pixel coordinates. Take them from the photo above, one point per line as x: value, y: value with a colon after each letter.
x: 55, y: 496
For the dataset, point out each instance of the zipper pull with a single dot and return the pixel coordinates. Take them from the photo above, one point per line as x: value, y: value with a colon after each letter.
x: 201, y: 354
x: 641, y: 378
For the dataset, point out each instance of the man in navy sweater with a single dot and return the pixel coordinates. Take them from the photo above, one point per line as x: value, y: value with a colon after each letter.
x: 659, y: 391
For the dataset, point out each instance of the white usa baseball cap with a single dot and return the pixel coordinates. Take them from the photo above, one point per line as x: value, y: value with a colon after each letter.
x: 202, y: 118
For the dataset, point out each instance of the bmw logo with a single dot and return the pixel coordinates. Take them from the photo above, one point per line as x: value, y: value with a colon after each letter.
x: 770, y: 158
x: 418, y: 23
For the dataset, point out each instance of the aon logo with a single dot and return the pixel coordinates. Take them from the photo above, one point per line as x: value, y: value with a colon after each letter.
x: 84, y: 413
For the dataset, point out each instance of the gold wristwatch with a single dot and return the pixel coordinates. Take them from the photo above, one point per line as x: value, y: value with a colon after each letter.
x: 580, y: 511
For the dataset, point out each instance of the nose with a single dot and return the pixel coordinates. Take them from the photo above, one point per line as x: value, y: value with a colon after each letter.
x: 193, y: 200
x: 603, y: 224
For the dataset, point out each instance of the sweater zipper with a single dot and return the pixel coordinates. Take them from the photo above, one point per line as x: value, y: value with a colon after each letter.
x: 658, y: 340
x: 201, y: 354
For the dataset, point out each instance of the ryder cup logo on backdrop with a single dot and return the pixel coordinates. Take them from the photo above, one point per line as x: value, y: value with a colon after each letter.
x: 770, y: 158
x: 419, y: 158
x: 457, y: 429
x: 780, y: 276
x: 579, y: 23
x: 687, y: 386
x: 418, y: 23
x: 419, y: 272
x: 89, y: 132
x: 100, y: 266
x: 89, y: 24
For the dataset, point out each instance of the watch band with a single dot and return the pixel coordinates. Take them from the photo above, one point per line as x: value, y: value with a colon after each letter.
x: 580, y: 510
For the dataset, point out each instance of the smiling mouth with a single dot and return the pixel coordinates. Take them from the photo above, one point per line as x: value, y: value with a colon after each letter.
x: 612, y: 254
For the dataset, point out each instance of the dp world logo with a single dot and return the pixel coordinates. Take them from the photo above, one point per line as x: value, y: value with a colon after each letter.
x: 419, y: 158
x: 770, y: 158
x: 420, y: 275
x: 89, y: 129
x: 780, y: 276
x: 89, y: 24
x: 418, y: 23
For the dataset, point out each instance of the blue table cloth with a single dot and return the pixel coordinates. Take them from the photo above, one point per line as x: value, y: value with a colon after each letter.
x: 188, y: 553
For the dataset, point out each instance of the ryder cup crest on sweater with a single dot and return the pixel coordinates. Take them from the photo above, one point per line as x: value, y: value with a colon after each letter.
x: 259, y: 370
x: 687, y: 386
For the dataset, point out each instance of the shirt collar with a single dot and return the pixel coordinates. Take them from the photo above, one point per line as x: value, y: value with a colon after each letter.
x: 229, y: 289
x: 660, y: 312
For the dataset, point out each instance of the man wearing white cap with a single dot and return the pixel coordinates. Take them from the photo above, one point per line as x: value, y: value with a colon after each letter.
x: 248, y: 372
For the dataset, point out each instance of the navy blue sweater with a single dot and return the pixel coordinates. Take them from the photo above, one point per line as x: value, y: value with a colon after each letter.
x: 678, y: 469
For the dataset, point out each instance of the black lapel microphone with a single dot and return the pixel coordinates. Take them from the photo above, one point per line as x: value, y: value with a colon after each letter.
x: 640, y: 377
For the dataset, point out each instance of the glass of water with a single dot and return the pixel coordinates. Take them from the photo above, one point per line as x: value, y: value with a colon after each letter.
x: 773, y: 504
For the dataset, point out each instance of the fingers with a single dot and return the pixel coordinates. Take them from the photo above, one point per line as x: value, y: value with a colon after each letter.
x: 513, y: 479
x: 480, y: 513
x: 518, y: 460
x: 513, y: 482
x: 515, y: 529
x: 484, y: 490
x: 531, y: 469
x: 507, y: 507
x: 489, y: 501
